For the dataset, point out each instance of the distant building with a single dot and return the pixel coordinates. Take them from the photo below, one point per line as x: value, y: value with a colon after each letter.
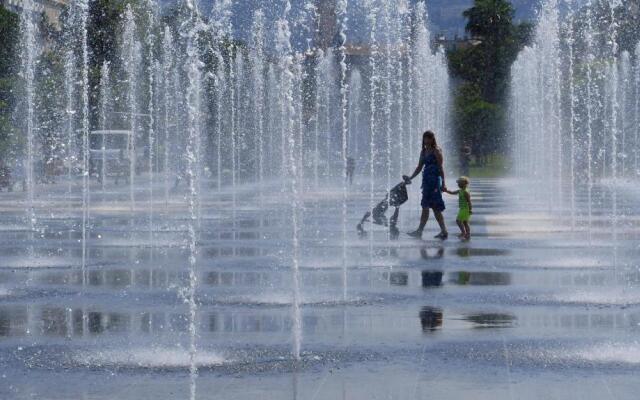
x: 456, y: 43
x: 51, y: 8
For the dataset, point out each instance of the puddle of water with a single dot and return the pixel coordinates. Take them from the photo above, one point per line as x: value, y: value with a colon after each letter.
x: 151, y: 358
x: 479, y: 252
x: 480, y: 278
x: 491, y: 320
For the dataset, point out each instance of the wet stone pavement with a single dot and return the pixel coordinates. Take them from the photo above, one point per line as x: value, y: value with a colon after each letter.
x: 530, y: 308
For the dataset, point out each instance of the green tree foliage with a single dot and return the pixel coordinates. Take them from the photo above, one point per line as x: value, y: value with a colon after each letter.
x: 484, y: 69
x: 477, y: 118
x: 9, y: 32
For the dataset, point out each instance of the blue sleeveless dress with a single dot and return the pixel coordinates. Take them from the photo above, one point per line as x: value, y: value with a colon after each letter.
x: 431, y: 183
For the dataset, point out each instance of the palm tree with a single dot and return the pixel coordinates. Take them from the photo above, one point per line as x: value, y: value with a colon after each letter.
x: 490, y: 20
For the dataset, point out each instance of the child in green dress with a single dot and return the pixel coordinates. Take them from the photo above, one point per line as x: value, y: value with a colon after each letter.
x: 465, y: 208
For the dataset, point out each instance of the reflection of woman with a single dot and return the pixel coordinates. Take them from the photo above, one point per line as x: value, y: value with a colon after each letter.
x: 424, y: 252
x: 430, y: 318
x: 432, y: 184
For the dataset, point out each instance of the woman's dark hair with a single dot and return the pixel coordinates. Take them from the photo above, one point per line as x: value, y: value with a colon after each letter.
x: 430, y: 135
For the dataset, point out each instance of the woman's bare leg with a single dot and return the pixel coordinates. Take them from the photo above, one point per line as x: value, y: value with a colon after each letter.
x: 440, y: 219
x: 424, y: 217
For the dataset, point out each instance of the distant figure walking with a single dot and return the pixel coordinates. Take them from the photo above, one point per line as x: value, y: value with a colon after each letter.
x: 123, y: 166
x: 5, y: 177
x: 20, y: 173
x: 465, y: 160
x: 433, y: 183
x: 465, y: 207
x: 351, y: 168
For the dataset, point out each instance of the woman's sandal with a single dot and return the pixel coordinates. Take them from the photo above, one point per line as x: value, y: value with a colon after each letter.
x: 442, y: 236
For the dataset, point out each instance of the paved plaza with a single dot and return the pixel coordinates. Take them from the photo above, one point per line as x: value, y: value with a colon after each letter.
x: 535, y: 306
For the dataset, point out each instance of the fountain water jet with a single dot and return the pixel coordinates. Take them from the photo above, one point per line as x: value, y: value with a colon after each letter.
x: 578, y: 96
x: 69, y: 85
x: 272, y: 109
x: 29, y: 32
x: 193, y: 66
x: 258, y: 92
x: 168, y: 86
x: 150, y: 7
x: 84, y: 15
x: 344, y: 89
x: 131, y: 56
x: 287, y: 73
x: 105, y: 100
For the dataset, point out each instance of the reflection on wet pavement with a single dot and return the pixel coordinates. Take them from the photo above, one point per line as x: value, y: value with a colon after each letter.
x: 480, y: 278
x: 452, y: 311
x: 491, y: 320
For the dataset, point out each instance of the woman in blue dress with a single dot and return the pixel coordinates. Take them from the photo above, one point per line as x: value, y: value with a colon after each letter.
x: 432, y: 184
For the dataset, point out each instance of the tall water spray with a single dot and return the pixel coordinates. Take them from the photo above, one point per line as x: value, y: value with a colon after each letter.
x: 254, y: 109
x: 131, y: 60
x: 169, y: 121
x: 150, y: 8
x: 258, y: 90
x: 355, y: 113
x: 222, y: 29
x: 372, y: 19
x: 193, y: 99
x: 105, y: 102
x: 574, y: 111
x: 70, y: 116
x: 344, y: 93
x: 29, y: 54
x: 83, y: 6
x: 286, y: 69
x: 636, y: 111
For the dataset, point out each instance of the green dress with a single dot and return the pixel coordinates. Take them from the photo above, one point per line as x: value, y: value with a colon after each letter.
x: 464, y: 214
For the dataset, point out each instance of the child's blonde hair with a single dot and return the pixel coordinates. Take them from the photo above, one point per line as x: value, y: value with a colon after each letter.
x: 463, y: 180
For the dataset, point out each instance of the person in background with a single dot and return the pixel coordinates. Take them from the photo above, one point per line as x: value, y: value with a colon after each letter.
x: 123, y: 166
x: 5, y: 176
x: 351, y: 168
x: 465, y: 160
x: 20, y: 173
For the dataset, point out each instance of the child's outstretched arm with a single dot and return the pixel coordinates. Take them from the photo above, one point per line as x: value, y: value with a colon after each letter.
x: 451, y: 191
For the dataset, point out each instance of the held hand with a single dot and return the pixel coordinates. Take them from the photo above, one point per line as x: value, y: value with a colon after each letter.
x: 406, y: 179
